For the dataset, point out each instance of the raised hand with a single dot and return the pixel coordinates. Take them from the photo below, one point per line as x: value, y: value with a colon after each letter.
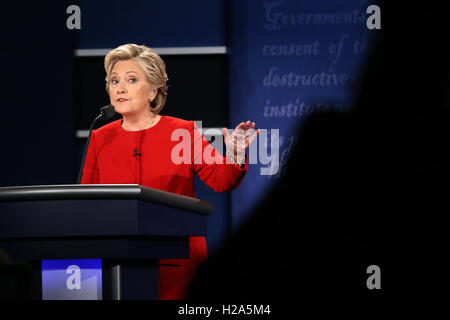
x: 239, y: 140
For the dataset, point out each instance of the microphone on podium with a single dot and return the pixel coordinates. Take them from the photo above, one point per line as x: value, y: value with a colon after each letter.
x: 106, y: 112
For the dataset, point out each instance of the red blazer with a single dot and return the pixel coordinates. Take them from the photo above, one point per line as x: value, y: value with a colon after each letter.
x: 116, y: 156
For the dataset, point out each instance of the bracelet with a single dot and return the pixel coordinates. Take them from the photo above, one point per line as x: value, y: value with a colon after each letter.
x: 241, y: 160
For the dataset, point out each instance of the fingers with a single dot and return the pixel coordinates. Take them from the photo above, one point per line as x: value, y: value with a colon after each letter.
x: 239, y: 127
x: 244, y: 125
x: 244, y: 133
x: 245, y: 128
x: 252, y: 137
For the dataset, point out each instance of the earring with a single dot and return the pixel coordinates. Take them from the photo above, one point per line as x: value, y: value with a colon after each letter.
x: 150, y: 100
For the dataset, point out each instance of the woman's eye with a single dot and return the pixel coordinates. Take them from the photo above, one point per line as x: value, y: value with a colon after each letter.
x: 114, y: 81
x: 132, y: 80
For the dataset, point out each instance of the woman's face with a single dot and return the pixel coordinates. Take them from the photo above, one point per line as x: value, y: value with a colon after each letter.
x: 129, y: 90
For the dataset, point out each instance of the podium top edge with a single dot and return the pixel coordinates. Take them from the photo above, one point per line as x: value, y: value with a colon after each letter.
x: 104, y: 191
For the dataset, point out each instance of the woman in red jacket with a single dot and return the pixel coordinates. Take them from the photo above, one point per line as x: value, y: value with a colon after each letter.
x: 160, y: 152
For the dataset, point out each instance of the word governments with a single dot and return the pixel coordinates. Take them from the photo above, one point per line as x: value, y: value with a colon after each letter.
x: 276, y: 18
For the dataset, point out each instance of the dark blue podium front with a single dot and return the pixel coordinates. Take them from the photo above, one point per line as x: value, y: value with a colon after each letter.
x: 129, y: 227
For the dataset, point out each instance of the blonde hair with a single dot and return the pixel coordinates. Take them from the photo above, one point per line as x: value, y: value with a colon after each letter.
x: 152, y: 64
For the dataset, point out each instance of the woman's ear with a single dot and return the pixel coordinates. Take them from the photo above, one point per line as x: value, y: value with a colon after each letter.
x: 153, y: 94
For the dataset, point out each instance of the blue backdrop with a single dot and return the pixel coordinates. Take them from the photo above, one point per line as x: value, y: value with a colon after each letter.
x: 290, y: 59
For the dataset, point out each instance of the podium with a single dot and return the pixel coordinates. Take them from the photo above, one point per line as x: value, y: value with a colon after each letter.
x: 129, y: 227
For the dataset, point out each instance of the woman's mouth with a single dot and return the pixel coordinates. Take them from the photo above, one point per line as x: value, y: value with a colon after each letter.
x: 122, y: 100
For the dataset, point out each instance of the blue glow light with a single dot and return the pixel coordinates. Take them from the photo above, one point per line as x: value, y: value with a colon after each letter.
x: 79, y: 279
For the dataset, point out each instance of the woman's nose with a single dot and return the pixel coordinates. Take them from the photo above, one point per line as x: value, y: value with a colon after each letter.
x: 121, y: 88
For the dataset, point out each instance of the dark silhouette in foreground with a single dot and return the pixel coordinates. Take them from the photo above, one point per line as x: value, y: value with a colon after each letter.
x: 367, y: 187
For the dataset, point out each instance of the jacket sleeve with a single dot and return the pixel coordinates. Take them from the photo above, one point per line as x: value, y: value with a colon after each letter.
x: 90, y: 168
x: 213, y: 168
